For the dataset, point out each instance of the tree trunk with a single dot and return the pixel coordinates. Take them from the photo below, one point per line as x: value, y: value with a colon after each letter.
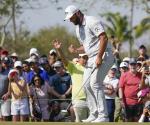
x: 14, y: 20
x: 131, y: 41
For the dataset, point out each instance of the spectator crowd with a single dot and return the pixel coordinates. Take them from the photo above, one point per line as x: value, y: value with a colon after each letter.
x: 50, y: 88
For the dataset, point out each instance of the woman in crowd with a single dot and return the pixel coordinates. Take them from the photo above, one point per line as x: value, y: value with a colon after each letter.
x: 39, y: 92
x: 18, y: 91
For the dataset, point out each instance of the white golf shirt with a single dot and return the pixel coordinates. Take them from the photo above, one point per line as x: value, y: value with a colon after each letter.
x: 111, y: 81
x: 88, y: 33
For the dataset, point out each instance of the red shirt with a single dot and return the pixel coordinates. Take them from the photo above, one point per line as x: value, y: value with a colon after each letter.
x: 129, y: 83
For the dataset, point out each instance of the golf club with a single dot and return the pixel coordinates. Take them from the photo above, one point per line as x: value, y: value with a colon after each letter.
x: 66, y: 110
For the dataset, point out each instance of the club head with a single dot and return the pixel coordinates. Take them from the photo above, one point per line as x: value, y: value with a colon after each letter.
x: 64, y: 112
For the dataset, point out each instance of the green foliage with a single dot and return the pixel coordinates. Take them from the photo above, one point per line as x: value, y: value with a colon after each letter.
x: 119, y: 26
x: 42, y: 40
x: 142, y: 27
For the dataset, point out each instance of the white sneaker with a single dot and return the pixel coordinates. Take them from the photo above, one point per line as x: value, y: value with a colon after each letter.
x: 100, y: 120
x: 89, y: 119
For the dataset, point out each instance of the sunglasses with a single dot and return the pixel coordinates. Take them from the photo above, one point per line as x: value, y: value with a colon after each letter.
x: 36, y: 80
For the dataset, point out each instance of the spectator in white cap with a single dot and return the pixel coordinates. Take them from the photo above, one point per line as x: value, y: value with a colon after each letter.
x: 126, y: 59
x: 34, y: 53
x: 111, y: 86
x: 18, y: 66
x: 94, y: 42
x: 124, y: 67
x: 14, y: 57
x: 52, y: 57
x: 118, y: 109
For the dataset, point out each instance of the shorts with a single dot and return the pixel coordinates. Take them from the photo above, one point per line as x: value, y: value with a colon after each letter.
x: 132, y: 111
x: 20, y: 107
x: 5, y: 108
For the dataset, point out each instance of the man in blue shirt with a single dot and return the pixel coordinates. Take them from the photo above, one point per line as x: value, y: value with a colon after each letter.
x: 36, y: 70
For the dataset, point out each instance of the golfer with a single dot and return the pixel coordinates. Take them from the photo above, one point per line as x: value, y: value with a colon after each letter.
x: 93, y: 40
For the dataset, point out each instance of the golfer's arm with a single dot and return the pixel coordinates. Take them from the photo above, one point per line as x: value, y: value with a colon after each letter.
x: 103, y: 43
x: 62, y: 56
x: 80, y: 49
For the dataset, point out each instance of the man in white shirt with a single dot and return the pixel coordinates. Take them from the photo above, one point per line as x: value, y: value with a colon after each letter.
x: 111, y: 86
x: 94, y: 43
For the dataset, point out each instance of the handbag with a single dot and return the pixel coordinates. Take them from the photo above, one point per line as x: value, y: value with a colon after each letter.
x: 37, y: 109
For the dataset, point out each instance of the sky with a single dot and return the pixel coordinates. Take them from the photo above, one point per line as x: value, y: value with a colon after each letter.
x: 49, y: 16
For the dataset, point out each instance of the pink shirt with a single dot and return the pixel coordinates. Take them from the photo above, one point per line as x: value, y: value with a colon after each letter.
x: 129, y: 83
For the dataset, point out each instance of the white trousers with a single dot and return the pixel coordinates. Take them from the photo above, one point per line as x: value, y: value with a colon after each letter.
x: 94, y: 85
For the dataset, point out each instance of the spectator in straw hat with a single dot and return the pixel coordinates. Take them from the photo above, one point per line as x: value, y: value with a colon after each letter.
x: 14, y: 57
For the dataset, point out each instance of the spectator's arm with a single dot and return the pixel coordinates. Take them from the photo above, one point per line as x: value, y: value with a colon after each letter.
x: 21, y: 87
x: 68, y: 91
x: 55, y: 93
x: 142, y: 83
x: 6, y: 95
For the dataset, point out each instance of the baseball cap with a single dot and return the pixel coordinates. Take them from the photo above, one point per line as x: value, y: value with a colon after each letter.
x: 83, y: 54
x: 132, y: 61
x: 5, y: 60
x: 142, y: 47
x: 70, y: 11
x: 18, y: 64
x: 12, y: 71
x: 114, y: 67
x: 43, y: 61
x: 34, y: 51
x: 123, y: 64
x: 126, y: 59
x: 4, y: 52
x: 52, y: 51
x: 75, y: 60
x: 58, y: 64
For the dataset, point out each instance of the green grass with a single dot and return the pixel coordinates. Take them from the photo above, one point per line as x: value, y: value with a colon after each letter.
x: 67, y: 123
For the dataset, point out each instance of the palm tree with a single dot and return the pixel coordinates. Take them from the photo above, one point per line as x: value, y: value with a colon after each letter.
x: 142, y: 27
x: 118, y: 30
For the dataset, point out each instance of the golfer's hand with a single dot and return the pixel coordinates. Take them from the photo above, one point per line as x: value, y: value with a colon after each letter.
x: 72, y: 49
x: 98, y: 61
x: 57, y: 44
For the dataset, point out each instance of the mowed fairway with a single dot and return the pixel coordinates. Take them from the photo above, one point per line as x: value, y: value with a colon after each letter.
x: 69, y: 123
